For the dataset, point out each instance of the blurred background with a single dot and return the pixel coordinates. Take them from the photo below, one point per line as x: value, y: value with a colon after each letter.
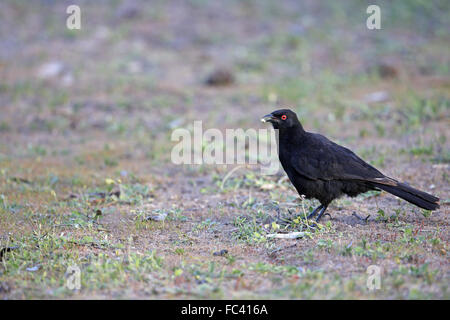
x: 138, y: 69
x: 86, y: 118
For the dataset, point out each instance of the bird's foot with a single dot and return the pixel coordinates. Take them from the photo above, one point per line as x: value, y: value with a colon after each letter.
x: 312, y: 214
x: 322, y: 211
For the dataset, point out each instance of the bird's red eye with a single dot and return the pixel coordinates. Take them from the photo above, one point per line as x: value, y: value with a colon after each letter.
x: 283, y: 117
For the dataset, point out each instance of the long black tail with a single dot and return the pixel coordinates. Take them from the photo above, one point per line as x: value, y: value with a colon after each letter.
x: 417, y: 197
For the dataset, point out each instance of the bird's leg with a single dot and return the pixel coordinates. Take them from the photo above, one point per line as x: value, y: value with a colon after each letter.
x: 324, y: 208
x: 312, y: 214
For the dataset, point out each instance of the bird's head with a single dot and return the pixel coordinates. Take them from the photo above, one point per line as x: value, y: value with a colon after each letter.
x: 282, y: 119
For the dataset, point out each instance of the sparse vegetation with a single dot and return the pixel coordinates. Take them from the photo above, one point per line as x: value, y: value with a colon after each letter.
x: 85, y: 172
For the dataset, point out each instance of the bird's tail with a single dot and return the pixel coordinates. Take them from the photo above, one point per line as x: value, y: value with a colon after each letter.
x: 417, y: 197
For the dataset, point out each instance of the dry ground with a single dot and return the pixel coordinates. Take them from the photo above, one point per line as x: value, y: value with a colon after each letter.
x: 85, y: 125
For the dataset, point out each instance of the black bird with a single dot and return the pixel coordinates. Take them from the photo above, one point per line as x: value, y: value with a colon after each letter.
x: 321, y: 169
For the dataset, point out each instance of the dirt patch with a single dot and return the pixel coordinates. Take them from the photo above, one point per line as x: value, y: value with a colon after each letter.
x: 85, y: 144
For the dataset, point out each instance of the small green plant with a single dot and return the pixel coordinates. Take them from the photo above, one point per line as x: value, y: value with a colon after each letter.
x: 426, y: 213
x: 207, y: 224
x: 249, y: 230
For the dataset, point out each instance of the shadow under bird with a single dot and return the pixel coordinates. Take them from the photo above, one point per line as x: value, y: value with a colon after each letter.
x: 321, y: 169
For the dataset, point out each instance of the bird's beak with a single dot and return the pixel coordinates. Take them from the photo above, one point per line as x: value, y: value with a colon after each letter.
x: 268, y: 118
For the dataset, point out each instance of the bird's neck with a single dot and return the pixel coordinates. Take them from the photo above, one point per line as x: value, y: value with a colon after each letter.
x: 291, y: 134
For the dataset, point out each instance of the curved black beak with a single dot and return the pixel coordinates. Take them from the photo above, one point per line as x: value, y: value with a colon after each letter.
x: 268, y: 118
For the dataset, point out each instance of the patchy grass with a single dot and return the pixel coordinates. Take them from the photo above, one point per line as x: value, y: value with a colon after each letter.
x: 86, y: 179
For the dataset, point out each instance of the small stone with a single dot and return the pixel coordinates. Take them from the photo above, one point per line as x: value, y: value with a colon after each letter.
x: 157, y: 217
x: 386, y: 70
x: 32, y: 269
x: 220, y: 77
x: 221, y: 252
x: 267, y: 186
x: 377, y: 96
x: 50, y: 70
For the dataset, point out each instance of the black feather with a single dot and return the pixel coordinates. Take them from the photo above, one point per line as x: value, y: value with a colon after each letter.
x: 321, y: 169
x: 417, y: 197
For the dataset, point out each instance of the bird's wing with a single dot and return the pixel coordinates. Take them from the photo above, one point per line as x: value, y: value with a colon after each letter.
x: 323, y: 159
